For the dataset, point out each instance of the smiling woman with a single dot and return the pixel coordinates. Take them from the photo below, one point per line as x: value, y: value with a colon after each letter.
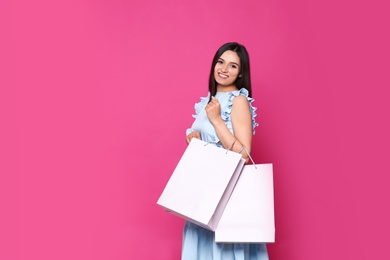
x: 227, y: 118
x: 226, y: 71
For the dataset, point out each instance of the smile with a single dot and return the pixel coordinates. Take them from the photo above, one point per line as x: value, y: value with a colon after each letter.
x: 223, y: 75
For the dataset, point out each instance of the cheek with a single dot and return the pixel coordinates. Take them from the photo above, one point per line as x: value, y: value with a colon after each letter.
x: 235, y: 74
x: 215, y: 71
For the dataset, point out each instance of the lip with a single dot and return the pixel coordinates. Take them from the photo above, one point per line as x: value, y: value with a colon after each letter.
x: 222, y: 75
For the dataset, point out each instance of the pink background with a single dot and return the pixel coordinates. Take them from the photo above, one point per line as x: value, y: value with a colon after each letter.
x: 96, y: 96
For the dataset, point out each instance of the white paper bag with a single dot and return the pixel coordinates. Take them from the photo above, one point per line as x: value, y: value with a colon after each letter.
x: 201, y: 184
x: 249, y: 214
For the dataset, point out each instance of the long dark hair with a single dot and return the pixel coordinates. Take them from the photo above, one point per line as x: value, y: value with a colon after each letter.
x: 241, y: 82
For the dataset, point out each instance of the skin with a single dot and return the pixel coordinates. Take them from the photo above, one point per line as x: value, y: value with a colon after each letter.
x: 226, y: 72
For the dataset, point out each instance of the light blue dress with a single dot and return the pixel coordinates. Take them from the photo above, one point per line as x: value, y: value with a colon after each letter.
x: 199, y: 243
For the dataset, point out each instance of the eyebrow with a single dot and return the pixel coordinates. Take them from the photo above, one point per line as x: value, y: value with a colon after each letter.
x: 230, y: 62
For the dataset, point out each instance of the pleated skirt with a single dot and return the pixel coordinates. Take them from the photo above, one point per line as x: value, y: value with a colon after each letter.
x: 199, y: 244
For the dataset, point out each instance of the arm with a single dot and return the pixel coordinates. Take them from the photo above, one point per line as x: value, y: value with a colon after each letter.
x: 192, y: 135
x: 241, y: 121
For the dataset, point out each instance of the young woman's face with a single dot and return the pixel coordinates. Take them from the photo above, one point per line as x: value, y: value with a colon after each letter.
x: 227, y: 70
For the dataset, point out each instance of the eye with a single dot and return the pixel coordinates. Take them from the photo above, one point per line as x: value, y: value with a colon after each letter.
x: 234, y: 66
x: 220, y: 61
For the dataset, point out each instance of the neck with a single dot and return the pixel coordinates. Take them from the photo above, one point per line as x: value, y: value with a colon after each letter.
x: 226, y: 88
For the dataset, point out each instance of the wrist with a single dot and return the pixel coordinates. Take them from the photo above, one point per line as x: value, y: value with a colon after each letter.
x: 218, y: 122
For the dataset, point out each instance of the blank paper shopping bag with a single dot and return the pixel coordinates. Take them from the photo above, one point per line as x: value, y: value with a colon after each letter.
x: 201, y: 184
x: 249, y: 214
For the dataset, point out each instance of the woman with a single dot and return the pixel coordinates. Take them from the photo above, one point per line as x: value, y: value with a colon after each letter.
x: 225, y: 117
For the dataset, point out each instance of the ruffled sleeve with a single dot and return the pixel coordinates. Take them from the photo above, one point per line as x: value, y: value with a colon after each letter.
x: 198, y: 107
x: 226, y: 114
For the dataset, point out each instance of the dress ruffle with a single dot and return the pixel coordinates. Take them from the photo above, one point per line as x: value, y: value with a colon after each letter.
x: 226, y: 115
x: 200, y: 105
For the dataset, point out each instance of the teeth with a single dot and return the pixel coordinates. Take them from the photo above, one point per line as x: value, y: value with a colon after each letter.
x: 223, y: 76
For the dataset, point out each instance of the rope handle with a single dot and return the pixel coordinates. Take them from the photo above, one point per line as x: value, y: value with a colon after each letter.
x: 250, y: 157
x: 243, y: 148
x: 228, y: 149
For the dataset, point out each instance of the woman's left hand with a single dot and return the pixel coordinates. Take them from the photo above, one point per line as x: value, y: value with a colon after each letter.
x: 213, y: 110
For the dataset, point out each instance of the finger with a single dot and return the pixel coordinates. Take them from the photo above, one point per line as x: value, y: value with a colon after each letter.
x: 214, y: 101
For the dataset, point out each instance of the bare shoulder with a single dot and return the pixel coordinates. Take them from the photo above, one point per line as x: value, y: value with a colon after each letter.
x: 240, y: 102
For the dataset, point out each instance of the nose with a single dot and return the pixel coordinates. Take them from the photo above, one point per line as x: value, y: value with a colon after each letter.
x: 225, y: 68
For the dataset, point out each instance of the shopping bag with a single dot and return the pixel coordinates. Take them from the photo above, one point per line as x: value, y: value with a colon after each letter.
x: 249, y: 214
x: 201, y: 183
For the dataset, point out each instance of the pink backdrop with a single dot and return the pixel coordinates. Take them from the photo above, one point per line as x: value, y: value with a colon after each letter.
x: 96, y: 97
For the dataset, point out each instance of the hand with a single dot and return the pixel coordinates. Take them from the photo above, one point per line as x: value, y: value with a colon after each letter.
x: 213, y: 110
x: 192, y: 135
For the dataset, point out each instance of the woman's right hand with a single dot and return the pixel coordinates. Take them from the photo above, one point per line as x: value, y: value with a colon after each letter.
x: 192, y: 135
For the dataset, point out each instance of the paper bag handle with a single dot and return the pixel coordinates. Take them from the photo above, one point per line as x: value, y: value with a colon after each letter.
x: 250, y: 157
x: 228, y: 149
